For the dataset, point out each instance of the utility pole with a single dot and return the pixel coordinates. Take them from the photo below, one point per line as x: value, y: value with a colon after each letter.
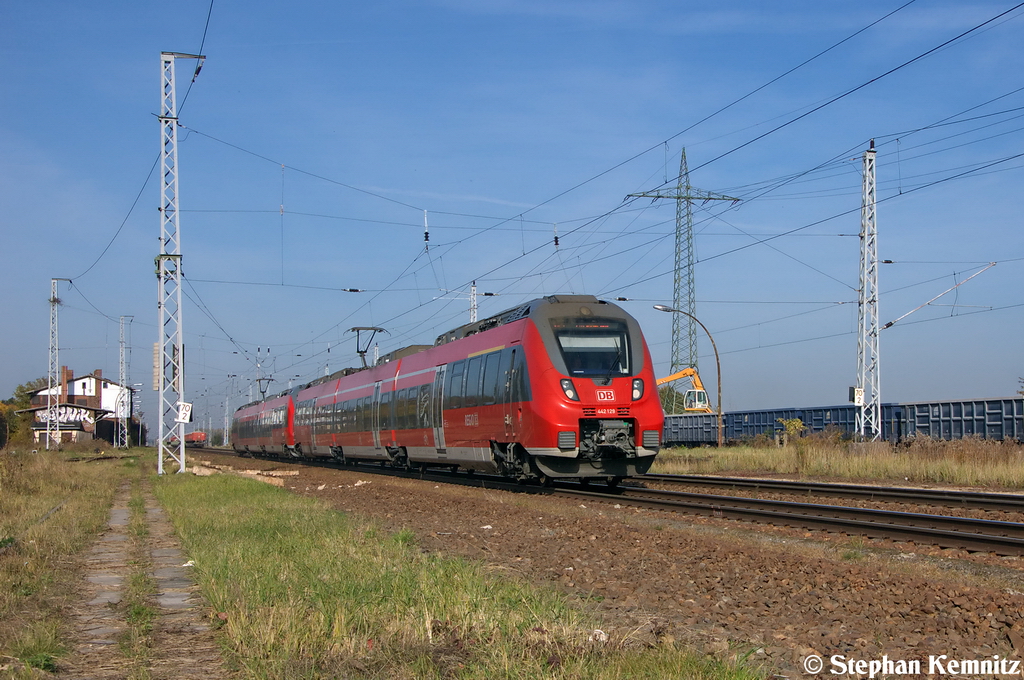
x: 122, y: 408
x: 473, y: 295
x: 684, y: 349
x: 54, y: 379
x: 173, y: 411
x: 472, y: 303
x: 869, y: 410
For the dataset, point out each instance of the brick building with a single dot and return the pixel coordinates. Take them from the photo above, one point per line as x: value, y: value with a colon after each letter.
x: 88, y: 407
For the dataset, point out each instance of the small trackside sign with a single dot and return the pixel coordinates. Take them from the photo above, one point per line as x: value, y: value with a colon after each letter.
x: 184, y: 412
x: 606, y: 395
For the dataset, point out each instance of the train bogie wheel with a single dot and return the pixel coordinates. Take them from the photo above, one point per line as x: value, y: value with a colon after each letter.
x: 613, y: 482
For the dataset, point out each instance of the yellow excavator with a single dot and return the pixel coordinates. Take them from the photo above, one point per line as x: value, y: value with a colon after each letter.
x: 695, y: 400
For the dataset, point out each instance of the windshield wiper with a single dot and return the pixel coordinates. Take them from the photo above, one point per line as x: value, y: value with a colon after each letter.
x: 616, y: 360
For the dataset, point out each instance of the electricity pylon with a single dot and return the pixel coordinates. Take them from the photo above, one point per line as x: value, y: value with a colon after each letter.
x: 173, y: 411
x: 869, y: 411
x: 122, y: 409
x: 684, y: 349
x: 54, y: 379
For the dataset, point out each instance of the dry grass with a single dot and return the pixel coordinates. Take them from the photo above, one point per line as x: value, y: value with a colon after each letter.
x: 49, y: 510
x: 967, y: 462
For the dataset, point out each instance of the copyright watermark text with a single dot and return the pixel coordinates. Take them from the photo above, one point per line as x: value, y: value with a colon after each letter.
x: 935, y: 664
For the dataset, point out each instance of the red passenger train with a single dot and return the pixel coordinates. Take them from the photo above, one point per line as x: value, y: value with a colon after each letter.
x: 561, y: 386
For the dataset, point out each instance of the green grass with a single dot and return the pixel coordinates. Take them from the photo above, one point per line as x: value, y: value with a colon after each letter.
x: 140, y: 587
x: 972, y: 462
x: 39, y: 645
x: 50, y: 509
x: 303, y: 591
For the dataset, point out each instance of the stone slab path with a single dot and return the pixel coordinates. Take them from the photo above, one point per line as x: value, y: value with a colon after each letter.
x: 180, y: 645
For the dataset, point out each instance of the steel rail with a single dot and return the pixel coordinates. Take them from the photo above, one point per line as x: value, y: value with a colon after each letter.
x: 434, y: 474
x: 978, y: 535
x: 984, y: 500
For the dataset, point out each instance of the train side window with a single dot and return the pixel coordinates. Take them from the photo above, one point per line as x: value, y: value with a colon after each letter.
x: 504, y: 371
x: 401, y: 409
x: 423, y: 404
x: 473, y: 371
x: 397, y: 409
x: 410, y: 408
x: 521, y: 384
x: 453, y: 390
x: 385, y: 411
x: 489, y: 388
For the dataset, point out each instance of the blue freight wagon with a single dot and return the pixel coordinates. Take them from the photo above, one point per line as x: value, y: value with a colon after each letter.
x: 986, y: 418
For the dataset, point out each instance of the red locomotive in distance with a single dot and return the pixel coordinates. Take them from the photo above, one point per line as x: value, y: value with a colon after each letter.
x: 195, y: 439
x: 559, y: 387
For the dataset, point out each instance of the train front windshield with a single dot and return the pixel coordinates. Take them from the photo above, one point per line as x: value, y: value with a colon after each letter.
x: 593, y: 347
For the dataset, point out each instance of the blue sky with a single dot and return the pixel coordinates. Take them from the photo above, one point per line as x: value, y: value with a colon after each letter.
x: 507, y: 121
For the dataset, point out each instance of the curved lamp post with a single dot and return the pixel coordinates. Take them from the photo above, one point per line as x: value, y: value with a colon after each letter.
x: 718, y: 364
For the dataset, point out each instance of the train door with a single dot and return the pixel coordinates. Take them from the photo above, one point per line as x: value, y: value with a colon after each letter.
x: 437, y: 408
x: 310, y: 418
x: 375, y: 415
x: 510, y: 395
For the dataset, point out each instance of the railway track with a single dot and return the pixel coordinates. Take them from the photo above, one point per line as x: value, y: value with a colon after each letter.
x: 976, y: 535
x: 936, y: 497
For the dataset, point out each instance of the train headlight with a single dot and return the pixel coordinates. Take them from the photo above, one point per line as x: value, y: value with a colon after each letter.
x: 570, y: 389
x: 638, y: 388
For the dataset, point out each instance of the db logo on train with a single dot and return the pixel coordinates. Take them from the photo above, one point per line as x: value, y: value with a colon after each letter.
x: 606, y: 395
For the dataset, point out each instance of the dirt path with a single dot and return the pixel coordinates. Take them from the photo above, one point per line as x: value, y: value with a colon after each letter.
x: 108, y: 641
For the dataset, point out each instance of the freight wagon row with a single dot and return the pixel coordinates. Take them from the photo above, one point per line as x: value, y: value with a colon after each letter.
x: 988, y: 418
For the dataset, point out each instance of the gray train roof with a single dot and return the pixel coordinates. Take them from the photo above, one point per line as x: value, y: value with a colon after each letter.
x: 514, y: 314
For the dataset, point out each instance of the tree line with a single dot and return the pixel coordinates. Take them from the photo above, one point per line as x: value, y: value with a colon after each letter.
x: 17, y: 428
